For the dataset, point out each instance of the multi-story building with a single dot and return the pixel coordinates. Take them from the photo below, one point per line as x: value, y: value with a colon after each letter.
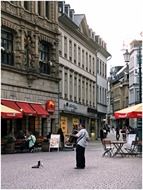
x: 29, y: 65
x: 126, y: 84
x: 118, y: 92
x: 82, y: 58
x: 135, y: 78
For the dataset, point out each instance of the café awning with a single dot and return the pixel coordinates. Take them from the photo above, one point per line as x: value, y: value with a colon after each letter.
x: 10, y: 113
x: 39, y: 109
x: 134, y: 111
x: 27, y: 108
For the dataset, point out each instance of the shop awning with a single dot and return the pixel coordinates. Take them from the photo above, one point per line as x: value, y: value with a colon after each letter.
x: 10, y: 113
x: 26, y: 108
x: 134, y: 111
x: 10, y: 104
x: 39, y: 109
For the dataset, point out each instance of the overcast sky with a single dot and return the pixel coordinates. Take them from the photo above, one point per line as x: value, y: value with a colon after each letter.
x: 116, y: 21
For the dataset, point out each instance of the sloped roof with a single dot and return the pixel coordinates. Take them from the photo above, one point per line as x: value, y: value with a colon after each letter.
x: 78, y: 18
x: 80, y: 21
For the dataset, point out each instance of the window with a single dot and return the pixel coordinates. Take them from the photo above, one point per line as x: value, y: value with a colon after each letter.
x: 97, y: 65
x: 39, y: 7
x: 79, y: 56
x: 86, y: 61
x: 83, y: 59
x: 75, y: 56
x: 60, y: 44
x: 70, y: 50
x: 27, y: 5
x: 47, y: 9
x: 65, y: 46
x: 90, y: 67
x: 6, y: 47
x: 93, y: 66
x: 44, y: 57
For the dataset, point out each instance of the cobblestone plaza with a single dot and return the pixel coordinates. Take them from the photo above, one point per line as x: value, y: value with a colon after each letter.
x: 58, y: 171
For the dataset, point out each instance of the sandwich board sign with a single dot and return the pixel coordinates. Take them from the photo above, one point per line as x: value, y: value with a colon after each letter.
x: 54, y: 141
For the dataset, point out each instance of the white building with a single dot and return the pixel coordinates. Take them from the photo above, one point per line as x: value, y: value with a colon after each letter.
x: 134, y: 76
x: 83, y: 86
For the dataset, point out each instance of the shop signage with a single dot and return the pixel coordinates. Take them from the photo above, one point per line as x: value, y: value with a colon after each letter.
x: 70, y: 106
x: 54, y: 141
x: 64, y: 125
x: 91, y: 110
x: 50, y: 106
x: 75, y: 121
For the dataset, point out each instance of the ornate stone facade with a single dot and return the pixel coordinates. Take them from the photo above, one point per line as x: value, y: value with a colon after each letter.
x: 30, y: 27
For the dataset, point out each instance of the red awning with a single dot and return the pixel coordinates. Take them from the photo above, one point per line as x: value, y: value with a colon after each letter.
x: 10, y: 104
x: 7, y: 112
x: 26, y: 108
x: 39, y: 110
x: 134, y: 111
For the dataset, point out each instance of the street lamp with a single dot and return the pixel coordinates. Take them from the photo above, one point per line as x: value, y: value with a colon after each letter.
x: 126, y: 56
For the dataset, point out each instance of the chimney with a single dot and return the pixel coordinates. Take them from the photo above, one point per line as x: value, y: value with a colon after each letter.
x: 90, y: 32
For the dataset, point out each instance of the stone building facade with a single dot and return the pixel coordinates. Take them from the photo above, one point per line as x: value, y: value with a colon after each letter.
x: 29, y: 63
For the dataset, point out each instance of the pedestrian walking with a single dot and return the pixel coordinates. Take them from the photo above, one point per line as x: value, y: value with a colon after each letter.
x: 62, y: 139
x: 82, y: 138
x: 102, y: 133
x: 117, y: 133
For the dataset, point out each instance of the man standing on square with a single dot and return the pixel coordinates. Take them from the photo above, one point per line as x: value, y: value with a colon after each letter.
x: 82, y: 138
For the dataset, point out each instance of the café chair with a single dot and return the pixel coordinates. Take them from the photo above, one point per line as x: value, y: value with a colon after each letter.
x: 108, y: 149
x: 131, y: 145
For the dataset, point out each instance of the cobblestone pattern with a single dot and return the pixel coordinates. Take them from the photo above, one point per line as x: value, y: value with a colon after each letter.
x: 59, y: 173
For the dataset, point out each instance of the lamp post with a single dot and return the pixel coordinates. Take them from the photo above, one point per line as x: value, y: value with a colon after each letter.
x: 127, y: 60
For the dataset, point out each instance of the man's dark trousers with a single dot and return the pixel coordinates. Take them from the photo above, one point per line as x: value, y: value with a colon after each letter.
x: 80, y: 156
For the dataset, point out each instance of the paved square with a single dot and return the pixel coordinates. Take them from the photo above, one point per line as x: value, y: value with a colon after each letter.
x: 59, y: 173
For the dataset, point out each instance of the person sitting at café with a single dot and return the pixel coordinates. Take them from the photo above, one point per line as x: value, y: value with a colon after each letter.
x: 31, y: 140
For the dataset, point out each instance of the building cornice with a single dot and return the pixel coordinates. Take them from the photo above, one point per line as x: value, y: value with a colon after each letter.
x: 66, y: 22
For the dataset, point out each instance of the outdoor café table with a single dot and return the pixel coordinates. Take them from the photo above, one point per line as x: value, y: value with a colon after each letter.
x: 118, y: 146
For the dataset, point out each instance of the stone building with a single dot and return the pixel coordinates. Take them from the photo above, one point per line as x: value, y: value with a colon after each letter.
x: 119, y: 92
x: 29, y: 65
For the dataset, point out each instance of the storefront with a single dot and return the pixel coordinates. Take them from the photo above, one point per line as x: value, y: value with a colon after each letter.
x: 33, y: 118
x: 71, y: 114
